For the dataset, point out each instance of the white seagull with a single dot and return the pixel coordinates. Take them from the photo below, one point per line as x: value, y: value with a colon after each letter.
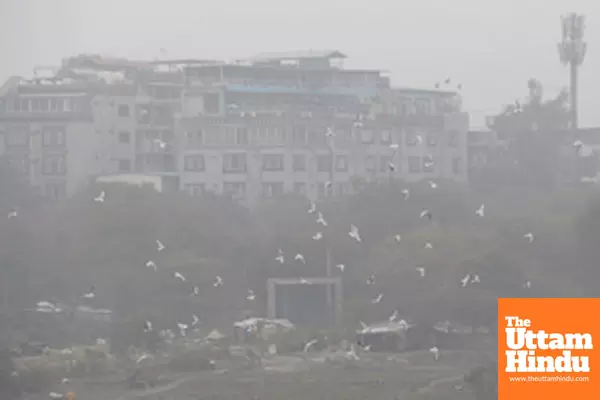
x: 310, y: 344
x: 195, y: 320
x: 100, y: 197
x: 321, y: 220
x: 393, y: 317
x: 527, y: 285
x: 405, y: 193
x: 354, y: 233
x: 341, y: 267
x: 391, y: 166
x: 13, y: 214
x: 329, y: 132
x: 300, y: 257
x: 480, y: 210
x: 195, y: 290
x: 421, y: 270
x: 397, y: 238
x: 160, y: 246
x: 303, y: 281
x: 151, y: 264
x: 428, y: 245
x: 371, y: 280
x: 529, y: 237
x: 363, y: 325
x: 177, y: 275
x: 91, y: 293
x: 218, y: 281
x: 475, y: 279
x: 318, y: 236
x: 313, y: 208
x: 251, y: 296
x: 182, y: 328
x: 394, y: 146
x: 147, y: 326
x: 432, y: 184
x: 436, y: 352
x: 426, y: 213
x: 280, y: 256
x: 377, y: 299
x: 464, y: 281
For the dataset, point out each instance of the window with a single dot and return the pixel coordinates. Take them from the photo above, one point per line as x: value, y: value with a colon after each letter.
x: 194, y: 189
x: 428, y: 164
x: 457, y: 165
x: 453, y: 139
x: 19, y: 163
x: 323, y: 163
x: 211, y: 103
x: 299, y: 138
x: 370, y: 164
x: 384, y: 163
x: 123, y: 110
x: 273, y: 162
x: 234, y: 163
x: 432, y: 139
x: 300, y: 188
x: 414, y: 164
x: 272, y: 189
x: 124, y: 166
x: 299, y: 163
x: 194, y: 138
x: 386, y: 136
x: 194, y: 163
x: 56, y: 191
x: 53, y: 165
x: 341, y: 163
x: 237, y: 190
x: 124, y: 137
x: 242, y: 136
x: 366, y: 136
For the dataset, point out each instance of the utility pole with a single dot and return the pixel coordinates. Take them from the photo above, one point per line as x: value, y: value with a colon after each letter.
x: 572, y: 52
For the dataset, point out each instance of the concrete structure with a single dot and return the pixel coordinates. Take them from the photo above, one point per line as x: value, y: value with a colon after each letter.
x: 329, y: 309
x: 250, y: 129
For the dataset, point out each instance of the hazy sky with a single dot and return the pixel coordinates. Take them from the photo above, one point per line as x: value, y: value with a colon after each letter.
x: 491, y: 47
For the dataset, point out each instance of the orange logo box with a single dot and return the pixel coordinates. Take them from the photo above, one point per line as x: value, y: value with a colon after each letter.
x: 548, y: 349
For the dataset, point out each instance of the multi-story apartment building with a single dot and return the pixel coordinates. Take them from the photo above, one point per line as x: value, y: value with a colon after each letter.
x: 278, y: 123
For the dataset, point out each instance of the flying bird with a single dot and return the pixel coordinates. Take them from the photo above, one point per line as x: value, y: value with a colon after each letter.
x: 233, y: 106
x: 195, y: 320
x: 195, y: 290
x: 428, y: 245
x: 341, y: 267
x: 529, y: 237
x: 429, y: 163
x: 397, y: 238
x: 421, y: 271
x: 162, y: 144
x: 218, y: 281
x: 527, y: 285
x: 354, y: 233
x: 465, y: 280
x: 329, y: 132
x: 362, y: 324
x: 303, y: 281
x: 393, y: 317
x: 310, y: 344
x: 480, y: 211
x: 391, y: 166
x: 160, y: 246
x: 147, y: 326
x: 54, y: 395
x: 436, y: 352
x: 177, y: 275
x: 91, y: 293
x: 432, y: 184
x: 100, y: 197
x: 405, y: 193
x: 377, y: 299
x: 182, y: 328
x: 328, y: 184
x: 447, y: 81
x: 475, y: 279
x: 313, y: 208
x: 300, y: 257
x: 426, y: 213
x: 578, y: 145
x: 358, y: 124
x: 371, y: 280
x: 250, y: 296
x: 13, y: 214
x: 321, y: 220
x: 394, y: 146
x: 280, y: 256
x: 318, y: 236
x: 151, y: 264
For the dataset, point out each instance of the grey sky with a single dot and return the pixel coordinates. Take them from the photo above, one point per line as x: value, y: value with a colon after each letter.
x: 491, y: 47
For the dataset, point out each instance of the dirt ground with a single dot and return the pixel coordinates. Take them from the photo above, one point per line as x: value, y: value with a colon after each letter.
x: 412, y: 376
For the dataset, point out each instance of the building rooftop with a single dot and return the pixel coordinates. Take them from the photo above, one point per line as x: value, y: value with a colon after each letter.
x: 299, y: 55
